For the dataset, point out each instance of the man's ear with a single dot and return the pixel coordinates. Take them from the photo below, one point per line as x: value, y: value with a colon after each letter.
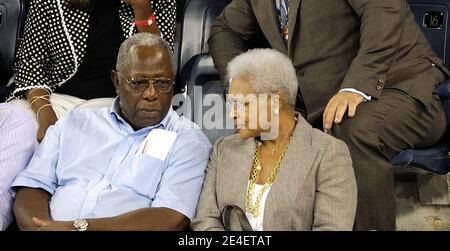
x: 115, y: 80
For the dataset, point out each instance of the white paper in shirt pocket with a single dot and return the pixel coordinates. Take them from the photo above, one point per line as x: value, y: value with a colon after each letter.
x: 157, y: 144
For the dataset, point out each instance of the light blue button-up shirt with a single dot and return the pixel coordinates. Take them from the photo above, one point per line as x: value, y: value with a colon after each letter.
x: 89, y: 163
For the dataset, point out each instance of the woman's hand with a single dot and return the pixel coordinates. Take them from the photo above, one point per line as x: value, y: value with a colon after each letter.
x: 142, y: 11
x: 47, y: 117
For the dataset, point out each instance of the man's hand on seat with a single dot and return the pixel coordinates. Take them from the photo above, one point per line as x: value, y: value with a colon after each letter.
x: 338, y: 106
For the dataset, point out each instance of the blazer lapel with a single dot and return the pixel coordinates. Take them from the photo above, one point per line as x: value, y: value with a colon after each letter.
x: 266, y: 13
x: 236, y: 176
x: 296, y: 164
x: 294, y: 13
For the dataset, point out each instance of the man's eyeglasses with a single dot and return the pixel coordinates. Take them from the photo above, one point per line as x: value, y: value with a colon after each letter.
x: 163, y: 85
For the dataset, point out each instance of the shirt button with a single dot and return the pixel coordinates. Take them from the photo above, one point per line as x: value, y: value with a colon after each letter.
x: 381, y: 81
x: 379, y: 87
x: 433, y: 64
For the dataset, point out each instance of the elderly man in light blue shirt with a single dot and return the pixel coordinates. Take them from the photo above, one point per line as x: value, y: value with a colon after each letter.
x: 134, y: 166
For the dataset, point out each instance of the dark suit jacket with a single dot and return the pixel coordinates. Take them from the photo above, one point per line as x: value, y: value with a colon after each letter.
x: 315, y: 188
x: 368, y: 45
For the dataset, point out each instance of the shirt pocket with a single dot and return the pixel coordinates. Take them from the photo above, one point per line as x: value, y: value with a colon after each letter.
x: 141, y: 174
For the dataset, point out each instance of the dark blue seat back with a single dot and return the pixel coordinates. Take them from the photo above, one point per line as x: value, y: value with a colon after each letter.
x: 12, y: 19
x: 432, y: 17
x: 196, y: 66
x: 199, y: 15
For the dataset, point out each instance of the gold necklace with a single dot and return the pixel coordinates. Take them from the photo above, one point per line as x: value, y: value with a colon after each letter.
x: 274, y: 150
x: 256, y: 169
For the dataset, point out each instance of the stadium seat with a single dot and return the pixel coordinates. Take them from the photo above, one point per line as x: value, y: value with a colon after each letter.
x: 12, y: 19
x: 199, y: 15
x: 197, y: 68
x: 432, y: 17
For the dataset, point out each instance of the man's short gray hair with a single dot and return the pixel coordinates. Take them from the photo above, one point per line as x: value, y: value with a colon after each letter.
x: 269, y: 71
x: 140, y: 39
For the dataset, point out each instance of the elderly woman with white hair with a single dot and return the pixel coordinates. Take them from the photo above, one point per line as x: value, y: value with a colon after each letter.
x: 277, y: 172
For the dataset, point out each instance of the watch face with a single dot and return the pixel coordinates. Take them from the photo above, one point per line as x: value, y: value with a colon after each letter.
x: 80, y: 225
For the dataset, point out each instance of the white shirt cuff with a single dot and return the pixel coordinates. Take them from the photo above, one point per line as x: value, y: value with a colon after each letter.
x: 366, y: 97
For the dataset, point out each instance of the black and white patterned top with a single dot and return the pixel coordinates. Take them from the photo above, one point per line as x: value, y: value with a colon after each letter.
x: 55, y: 39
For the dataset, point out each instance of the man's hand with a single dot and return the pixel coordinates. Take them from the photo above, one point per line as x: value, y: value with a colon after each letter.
x: 338, y: 105
x: 49, y: 225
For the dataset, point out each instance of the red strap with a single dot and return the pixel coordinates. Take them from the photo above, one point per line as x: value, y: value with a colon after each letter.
x: 147, y: 22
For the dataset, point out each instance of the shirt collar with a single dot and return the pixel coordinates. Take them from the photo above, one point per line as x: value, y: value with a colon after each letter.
x: 165, y: 123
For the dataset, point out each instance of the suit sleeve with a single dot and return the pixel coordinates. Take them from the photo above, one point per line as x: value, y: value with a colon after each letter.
x: 29, y: 66
x: 336, y: 194
x: 208, y: 216
x: 381, y: 27
x: 235, y: 28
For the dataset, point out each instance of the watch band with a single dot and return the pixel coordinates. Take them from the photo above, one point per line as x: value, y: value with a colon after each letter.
x: 147, y: 22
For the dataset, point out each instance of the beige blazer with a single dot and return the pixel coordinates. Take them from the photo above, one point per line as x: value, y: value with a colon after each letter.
x: 315, y: 188
x: 368, y: 45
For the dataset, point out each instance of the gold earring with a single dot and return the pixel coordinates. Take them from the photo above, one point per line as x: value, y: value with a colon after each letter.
x: 276, y: 111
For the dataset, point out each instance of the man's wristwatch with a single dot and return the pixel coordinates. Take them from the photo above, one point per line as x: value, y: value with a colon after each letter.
x: 80, y: 225
x: 147, y: 22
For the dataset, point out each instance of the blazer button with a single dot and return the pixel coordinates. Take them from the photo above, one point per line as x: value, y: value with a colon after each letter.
x: 380, y: 84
